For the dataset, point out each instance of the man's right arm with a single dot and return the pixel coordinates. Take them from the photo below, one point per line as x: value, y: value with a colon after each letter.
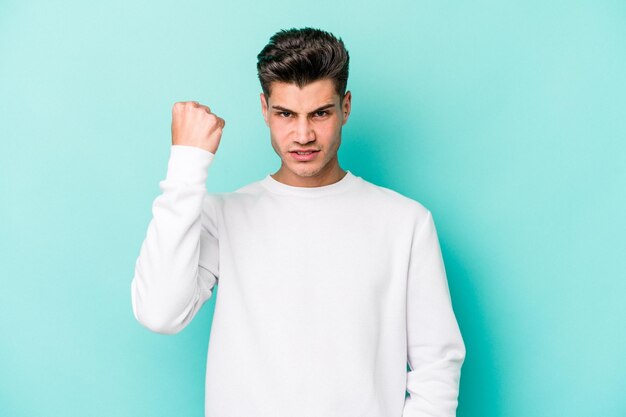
x: 178, y: 263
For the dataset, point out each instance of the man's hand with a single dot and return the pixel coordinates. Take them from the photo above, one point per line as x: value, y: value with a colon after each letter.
x: 193, y: 124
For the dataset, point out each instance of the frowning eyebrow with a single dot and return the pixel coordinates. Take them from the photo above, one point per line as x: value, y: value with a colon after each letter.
x: 324, y: 107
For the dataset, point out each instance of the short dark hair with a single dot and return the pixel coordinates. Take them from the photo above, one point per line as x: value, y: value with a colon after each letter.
x: 302, y: 56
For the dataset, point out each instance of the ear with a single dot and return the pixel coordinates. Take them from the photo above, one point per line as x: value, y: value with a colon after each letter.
x: 346, y: 107
x: 264, y: 108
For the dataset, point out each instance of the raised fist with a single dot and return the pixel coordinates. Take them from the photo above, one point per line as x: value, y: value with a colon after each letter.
x: 193, y: 124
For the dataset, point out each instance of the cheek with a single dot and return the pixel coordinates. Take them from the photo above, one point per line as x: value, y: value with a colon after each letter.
x: 329, y: 132
x: 277, y: 131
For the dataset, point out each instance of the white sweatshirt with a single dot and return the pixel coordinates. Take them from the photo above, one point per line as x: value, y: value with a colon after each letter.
x: 325, y: 293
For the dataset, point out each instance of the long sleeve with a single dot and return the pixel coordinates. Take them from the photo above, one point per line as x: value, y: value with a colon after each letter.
x: 177, y: 266
x: 436, y: 350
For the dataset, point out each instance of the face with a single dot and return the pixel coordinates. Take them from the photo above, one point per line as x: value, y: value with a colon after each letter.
x: 306, y: 119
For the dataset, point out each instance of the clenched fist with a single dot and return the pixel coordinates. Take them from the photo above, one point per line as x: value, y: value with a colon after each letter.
x: 193, y: 124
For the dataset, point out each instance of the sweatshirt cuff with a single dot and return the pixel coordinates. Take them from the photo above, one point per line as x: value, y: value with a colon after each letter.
x: 188, y: 164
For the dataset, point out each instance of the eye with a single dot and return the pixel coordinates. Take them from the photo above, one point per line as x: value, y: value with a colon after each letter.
x: 284, y: 114
x: 321, y: 113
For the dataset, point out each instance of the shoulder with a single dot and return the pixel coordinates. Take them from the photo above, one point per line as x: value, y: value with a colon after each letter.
x: 394, y: 201
x: 252, y: 188
x: 244, y: 193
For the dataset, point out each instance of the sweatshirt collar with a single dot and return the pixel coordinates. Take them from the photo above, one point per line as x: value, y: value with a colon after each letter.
x: 278, y: 187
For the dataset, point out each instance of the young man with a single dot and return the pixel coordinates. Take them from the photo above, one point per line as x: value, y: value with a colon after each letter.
x: 328, y: 284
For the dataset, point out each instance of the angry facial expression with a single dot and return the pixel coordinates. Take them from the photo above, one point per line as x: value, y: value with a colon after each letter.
x: 305, y: 128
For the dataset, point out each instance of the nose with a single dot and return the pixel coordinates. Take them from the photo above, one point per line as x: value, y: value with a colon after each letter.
x: 304, y: 131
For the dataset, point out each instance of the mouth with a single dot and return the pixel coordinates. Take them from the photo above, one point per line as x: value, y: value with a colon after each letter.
x: 304, y: 156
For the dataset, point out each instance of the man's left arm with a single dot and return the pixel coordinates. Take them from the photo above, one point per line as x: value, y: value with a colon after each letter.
x: 436, y: 350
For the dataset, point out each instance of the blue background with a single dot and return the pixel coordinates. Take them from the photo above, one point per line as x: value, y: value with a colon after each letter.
x: 506, y: 119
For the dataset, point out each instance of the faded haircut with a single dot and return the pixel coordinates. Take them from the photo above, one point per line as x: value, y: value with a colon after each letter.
x: 302, y: 56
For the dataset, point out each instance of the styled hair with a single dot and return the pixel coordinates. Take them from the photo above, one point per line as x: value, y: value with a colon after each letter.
x: 302, y: 56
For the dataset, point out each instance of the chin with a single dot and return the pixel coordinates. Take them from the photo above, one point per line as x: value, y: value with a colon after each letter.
x: 305, y: 170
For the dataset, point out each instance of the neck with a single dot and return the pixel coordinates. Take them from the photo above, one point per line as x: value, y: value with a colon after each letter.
x: 325, y: 177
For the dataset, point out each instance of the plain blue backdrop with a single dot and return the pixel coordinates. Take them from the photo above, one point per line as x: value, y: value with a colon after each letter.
x: 506, y: 119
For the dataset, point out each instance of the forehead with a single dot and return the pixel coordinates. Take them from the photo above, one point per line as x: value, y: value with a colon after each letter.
x: 310, y: 96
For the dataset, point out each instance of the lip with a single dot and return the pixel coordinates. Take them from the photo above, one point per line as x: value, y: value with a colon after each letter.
x: 304, y: 150
x: 304, y: 158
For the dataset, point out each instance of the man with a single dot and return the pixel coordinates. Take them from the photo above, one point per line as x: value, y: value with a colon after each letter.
x: 328, y: 284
